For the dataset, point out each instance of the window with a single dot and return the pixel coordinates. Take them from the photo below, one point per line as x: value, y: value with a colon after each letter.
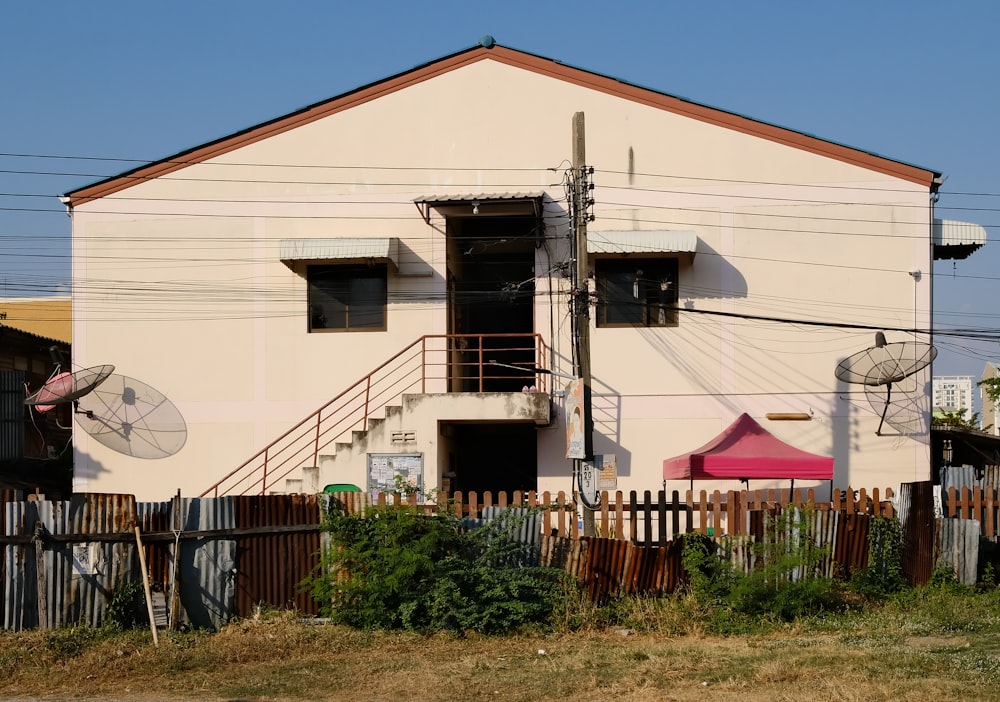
x: 636, y: 292
x: 347, y: 297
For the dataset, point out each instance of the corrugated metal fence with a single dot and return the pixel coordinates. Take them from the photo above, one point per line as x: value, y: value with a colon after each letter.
x: 63, y: 560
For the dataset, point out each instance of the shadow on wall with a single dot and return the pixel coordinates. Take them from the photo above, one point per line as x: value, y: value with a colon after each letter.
x: 843, y: 431
x: 720, y: 279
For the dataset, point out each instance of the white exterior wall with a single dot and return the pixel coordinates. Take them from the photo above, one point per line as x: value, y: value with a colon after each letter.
x: 193, y: 300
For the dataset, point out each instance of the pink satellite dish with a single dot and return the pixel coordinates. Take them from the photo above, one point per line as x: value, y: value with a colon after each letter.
x: 66, y: 387
x: 57, y: 386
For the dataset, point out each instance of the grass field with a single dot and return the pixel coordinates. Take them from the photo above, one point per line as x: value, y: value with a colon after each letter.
x: 931, y: 644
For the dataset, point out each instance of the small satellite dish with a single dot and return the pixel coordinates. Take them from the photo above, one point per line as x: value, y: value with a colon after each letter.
x: 57, y: 386
x: 66, y: 387
x: 133, y: 418
x: 882, y: 366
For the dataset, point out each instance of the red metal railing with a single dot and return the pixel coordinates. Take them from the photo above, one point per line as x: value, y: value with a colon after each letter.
x: 436, y: 363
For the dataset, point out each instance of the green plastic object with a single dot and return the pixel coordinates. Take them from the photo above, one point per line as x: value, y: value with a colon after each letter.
x: 341, y: 487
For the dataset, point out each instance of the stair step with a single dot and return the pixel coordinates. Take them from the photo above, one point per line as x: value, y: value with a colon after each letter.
x: 310, y: 480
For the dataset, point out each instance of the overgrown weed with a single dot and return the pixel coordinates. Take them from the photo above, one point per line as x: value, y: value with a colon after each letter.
x: 398, y: 568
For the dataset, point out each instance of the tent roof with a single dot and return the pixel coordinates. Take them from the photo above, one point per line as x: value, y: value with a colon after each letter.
x: 747, y: 450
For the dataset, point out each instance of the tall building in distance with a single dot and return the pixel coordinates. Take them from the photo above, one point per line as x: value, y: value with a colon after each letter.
x: 952, y: 393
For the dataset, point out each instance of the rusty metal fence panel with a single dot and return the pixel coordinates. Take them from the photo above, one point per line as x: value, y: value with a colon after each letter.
x: 916, y: 518
x: 850, y: 552
x: 273, y: 566
x: 59, y: 583
x: 152, y: 517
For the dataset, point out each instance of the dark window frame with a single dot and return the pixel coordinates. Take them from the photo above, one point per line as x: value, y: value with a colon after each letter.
x: 337, y: 297
x: 637, y: 292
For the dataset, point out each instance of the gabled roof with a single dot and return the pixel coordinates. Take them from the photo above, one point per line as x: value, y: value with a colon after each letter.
x: 530, y: 62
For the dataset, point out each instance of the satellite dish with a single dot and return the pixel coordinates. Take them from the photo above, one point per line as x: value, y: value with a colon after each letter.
x: 133, y: 418
x: 66, y: 387
x: 899, y: 404
x: 882, y: 366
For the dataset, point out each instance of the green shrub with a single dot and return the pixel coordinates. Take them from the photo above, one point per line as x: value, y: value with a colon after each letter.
x: 709, y: 576
x: 127, y: 607
x: 783, y: 582
x: 397, y: 568
x: 883, y: 575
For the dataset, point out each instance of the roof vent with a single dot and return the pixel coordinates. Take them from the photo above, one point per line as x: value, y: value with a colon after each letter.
x: 487, y: 41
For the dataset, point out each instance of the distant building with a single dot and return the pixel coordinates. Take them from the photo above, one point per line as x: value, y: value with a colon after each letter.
x: 991, y: 410
x: 952, y: 393
x: 50, y: 317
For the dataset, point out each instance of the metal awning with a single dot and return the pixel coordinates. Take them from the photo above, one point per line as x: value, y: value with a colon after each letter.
x: 482, y: 203
x: 341, y: 249
x: 957, y: 240
x: 642, y: 242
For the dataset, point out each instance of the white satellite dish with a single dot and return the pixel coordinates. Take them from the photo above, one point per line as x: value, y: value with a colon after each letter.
x: 883, y: 368
x: 133, y: 418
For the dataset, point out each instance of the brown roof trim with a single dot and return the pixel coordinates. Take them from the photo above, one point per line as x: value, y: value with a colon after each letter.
x: 712, y: 115
x: 531, y: 62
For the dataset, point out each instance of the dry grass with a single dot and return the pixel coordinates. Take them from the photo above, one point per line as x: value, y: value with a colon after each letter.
x: 278, y: 658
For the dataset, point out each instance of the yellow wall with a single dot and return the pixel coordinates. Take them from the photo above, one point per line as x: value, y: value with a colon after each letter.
x: 45, y: 316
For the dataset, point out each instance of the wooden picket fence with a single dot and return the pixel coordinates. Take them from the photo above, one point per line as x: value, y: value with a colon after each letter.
x: 558, y: 511
x: 646, y: 517
x: 979, y: 503
x: 658, y: 520
x: 636, y: 549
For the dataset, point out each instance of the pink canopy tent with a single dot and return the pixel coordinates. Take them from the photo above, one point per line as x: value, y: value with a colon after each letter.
x: 746, y: 450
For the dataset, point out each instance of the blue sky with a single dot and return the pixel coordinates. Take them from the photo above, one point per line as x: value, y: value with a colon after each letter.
x: 909, y: 79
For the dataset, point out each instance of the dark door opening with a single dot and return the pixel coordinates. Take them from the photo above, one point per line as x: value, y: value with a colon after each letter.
x: 491, y: 269
x: 494, y: 457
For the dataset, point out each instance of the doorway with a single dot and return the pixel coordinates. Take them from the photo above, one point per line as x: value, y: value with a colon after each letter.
x: 491, y: 290
x: 500, y: 457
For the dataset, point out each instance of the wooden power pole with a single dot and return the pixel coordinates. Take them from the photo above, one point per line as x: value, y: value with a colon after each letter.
x: 581, y: 301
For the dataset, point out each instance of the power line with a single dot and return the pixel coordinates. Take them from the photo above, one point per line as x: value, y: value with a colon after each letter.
x: 687, y: 177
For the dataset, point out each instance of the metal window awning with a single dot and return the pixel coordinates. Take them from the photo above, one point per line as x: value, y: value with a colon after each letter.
x: 957, y: 240
x: 643, y: 242
x: 483, y: 204
x: 340, y: 249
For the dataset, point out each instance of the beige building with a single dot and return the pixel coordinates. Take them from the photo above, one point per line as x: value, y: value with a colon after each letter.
x: 351, y: 256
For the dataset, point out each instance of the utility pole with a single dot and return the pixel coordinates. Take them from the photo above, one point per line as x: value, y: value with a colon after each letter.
x: 581, y: 301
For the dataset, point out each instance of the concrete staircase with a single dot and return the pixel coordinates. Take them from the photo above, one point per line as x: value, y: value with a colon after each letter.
x: 413, y: 427
x: 400, y: 405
